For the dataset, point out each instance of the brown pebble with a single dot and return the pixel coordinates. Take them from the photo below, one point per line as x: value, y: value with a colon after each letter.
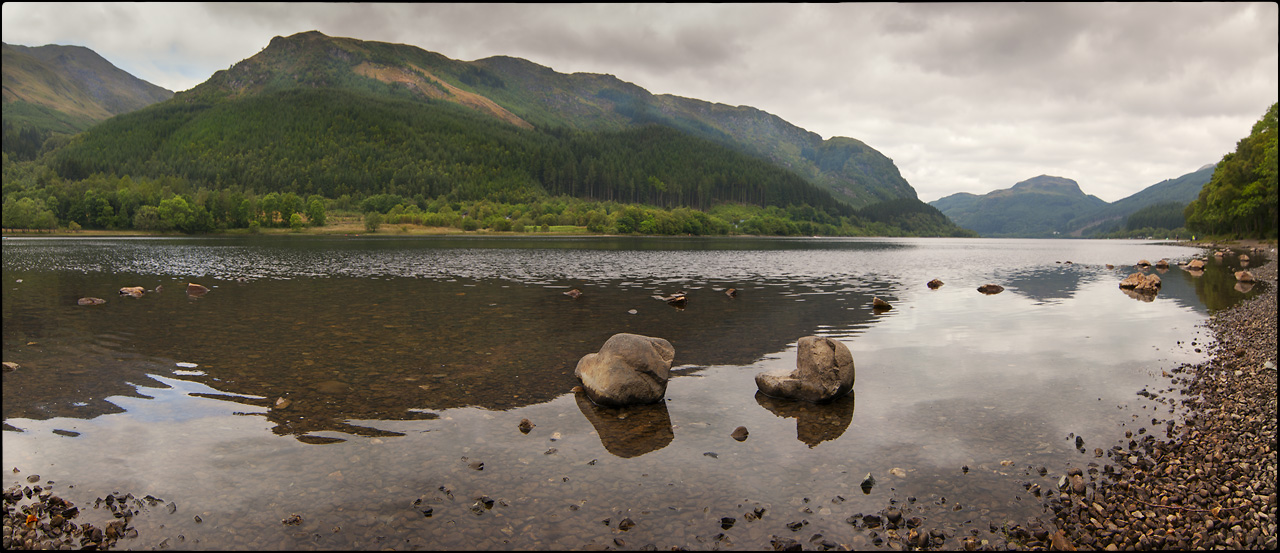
x: 740, y: 433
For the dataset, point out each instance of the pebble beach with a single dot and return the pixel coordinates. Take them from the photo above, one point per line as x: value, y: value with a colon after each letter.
x: 1210, y: 482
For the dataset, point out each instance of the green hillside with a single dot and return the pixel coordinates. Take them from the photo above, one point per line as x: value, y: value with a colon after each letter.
x: 529, y: 95
x: 1034, y: 208
x: 342, y: 121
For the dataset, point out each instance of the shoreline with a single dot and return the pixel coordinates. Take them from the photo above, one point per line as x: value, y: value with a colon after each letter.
x: 1212, y: 482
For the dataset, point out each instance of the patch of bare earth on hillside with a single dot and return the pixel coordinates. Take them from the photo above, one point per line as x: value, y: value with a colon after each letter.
x: 430, y: 86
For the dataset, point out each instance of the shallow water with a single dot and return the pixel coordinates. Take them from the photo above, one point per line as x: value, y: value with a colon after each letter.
x: 408, y: 361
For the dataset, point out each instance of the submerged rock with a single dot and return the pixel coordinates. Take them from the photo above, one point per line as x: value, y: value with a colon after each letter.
x: 526, y: 425
x: 868, y: 483
x: 196, y: 290
x: 824, y: 372
x: 990, y: 289
x: 132, y: 291
x: 740, y: 433
x: 574, y: 293
x: 934, y: 284
x: 90, y: 301
x: 629, y: 369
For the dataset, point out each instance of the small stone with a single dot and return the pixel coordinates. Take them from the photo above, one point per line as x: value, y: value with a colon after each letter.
x: 282, y: 403
x: 740, y: 433
x: 990, y: 289
x: 526, y: 425
x: 879, y: 304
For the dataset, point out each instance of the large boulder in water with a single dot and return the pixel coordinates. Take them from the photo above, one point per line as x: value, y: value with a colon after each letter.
x: 824, y: 372
x: 629, y: 369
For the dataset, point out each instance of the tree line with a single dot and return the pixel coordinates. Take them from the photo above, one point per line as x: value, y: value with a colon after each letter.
x: 1240, y: 199
x: 290, y: 158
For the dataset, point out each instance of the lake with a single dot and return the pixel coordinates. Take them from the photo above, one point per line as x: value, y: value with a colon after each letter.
x: 407, y: 363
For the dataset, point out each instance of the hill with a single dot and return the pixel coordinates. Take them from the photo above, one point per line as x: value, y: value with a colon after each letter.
x: 1180, y: 191
x: 1037, y: 207
x: 528, y: 95
x: 65, y: 89
x: 68, y: 88
x: 345, y: 120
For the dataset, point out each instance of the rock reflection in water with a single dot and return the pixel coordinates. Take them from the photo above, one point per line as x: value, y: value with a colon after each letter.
x: 815, y: 422
x: 628, y: 431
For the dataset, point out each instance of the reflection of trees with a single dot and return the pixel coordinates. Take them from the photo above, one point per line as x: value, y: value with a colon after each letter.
x: 629, y: 431
x: 815, y: 422
x: 1217, y: 287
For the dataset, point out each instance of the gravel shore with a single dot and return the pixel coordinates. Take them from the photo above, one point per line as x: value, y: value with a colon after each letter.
x: 1210, y: 483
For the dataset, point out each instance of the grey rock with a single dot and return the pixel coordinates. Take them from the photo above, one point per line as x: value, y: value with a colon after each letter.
x: 824, y: 372
x: 629, y: 369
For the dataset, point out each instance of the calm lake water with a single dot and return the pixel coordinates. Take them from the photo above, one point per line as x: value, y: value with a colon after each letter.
x: 408, y: 362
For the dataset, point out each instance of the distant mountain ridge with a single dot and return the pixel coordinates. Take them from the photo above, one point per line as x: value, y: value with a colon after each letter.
x: 69, y: 88
x: 1047, y: 206
x: 526, y: 94
x: 1036, y: 207
x: 1180, y: 190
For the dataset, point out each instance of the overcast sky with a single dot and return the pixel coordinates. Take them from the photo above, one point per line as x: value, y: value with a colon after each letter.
x: 963, y: 97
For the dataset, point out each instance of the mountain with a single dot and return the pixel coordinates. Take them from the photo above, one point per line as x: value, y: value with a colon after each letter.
x: 1181, y: 191
x: 527, y: 95
x: 499, y: 142
x: 69, y: 88
x: 1037, y: 207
